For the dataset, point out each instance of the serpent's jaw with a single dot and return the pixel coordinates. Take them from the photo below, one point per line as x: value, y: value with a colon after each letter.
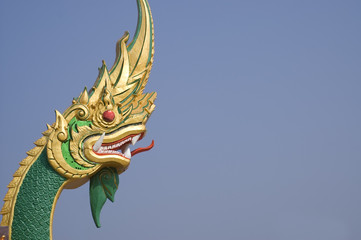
x: 113, y: 149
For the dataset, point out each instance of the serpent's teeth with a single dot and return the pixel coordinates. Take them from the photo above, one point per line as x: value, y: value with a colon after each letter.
x: 98, y: 144
x: 135, y: 139
x: 127, y: 153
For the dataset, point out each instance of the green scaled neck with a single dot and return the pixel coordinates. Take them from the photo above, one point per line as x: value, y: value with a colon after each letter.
x: 35, y: 202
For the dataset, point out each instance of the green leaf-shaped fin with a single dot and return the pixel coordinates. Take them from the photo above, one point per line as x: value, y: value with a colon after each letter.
x: 103, y: 185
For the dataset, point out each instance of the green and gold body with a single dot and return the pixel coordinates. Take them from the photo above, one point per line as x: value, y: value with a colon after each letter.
x: 89, y: 141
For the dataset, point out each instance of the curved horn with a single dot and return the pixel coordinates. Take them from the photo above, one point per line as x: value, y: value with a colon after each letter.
x: 133, y: 62
x: 141, y: 49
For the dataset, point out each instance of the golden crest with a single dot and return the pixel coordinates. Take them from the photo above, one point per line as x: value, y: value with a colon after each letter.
x: 114, y: 110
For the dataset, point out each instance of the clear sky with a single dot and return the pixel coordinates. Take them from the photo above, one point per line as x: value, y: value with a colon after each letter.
x: 257, y: 125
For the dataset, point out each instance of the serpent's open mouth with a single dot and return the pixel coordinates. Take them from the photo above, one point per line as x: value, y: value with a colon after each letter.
x: 121, y: 147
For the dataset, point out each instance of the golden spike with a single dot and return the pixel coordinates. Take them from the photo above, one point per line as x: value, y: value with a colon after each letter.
x: 14, y: 182
x: 10, y: 194
x: 84, y: 98
x: 102, y: 81
x: 133, y: 63
x: 26, y: 161
x: 6, y: 207
x: 61, y: 127
x: 40, y: 142
x: 120, y: 70
x: 141, y: 47
x: 33, y: 152
x: 46, y: 133
x: 20, y: 171
x: 6, y: 219
x: 5, y: 210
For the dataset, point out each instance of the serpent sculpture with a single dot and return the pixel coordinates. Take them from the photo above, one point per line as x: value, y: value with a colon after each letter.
x: 90, y: 141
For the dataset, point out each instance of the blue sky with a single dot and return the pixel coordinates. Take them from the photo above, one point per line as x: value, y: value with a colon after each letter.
x: 257, y: 125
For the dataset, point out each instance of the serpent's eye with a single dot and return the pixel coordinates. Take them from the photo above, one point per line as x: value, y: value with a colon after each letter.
x: 108, y: 116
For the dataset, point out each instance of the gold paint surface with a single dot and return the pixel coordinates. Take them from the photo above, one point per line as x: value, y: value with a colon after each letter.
x: 119, y: 90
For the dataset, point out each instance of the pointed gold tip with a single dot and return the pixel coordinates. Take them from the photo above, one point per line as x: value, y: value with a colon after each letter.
x: 125, y: 36
x: 84, y: 97
x: 61, y: 126
x: 47, y: 132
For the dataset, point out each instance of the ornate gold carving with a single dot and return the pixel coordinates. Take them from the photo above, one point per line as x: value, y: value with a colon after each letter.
x: 61, y: 127
x: 26, y: 161
x: 41, y: 141
x: 20, y: 171
x: 76, y: 148
x: 84, y: 98
x: 55, y: 155
x: 10, y: 194
x: 48, y: 131
x: 57, y: 161
x: 119, y: 90
x: 79, y: 111
x: 14, y: 182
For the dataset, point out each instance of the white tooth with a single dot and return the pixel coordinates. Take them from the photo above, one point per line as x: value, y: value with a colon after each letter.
x: 135, y: 139
x: 127, y: 153
x: 98, y: 144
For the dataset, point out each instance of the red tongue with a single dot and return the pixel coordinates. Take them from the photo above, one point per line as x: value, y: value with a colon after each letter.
x: 139, y: 150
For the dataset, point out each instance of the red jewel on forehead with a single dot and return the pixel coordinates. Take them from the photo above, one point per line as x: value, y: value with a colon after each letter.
x: 108, y: 116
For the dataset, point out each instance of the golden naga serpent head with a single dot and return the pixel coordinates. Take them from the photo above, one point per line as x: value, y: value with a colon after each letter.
x: 97, y: 130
